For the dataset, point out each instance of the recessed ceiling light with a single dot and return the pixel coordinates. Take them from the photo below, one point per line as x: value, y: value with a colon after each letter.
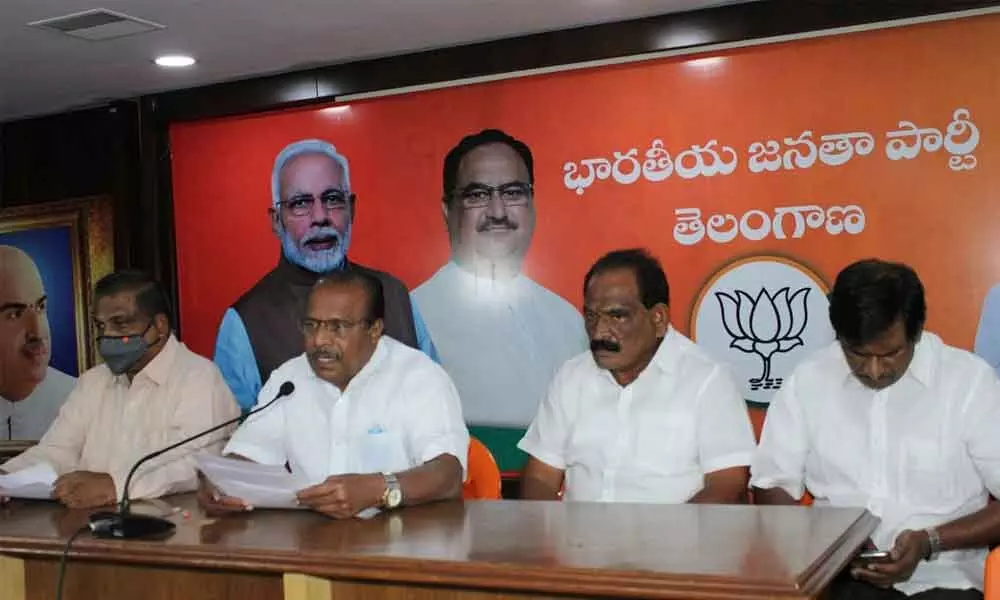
x: 174, y: 60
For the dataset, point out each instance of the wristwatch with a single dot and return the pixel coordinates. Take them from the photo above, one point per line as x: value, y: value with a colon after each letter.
x: 392, y: 497
x: 934, y: 541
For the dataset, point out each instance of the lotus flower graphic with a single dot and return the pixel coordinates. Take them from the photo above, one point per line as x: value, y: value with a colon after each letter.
x: 765, y: 325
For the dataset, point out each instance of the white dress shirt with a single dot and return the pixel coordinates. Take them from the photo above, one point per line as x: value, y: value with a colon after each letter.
x: 108, y: 423
x: 651, y: 441
x: 29, y: 418
x: 501, y: 341
x: 400, y: 411
x: 920, y: 453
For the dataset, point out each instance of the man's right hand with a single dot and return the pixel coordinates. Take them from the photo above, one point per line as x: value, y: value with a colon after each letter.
x: 215, y: 503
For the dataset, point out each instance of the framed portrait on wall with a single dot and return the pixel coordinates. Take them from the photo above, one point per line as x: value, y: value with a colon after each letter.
x: 50, y: 256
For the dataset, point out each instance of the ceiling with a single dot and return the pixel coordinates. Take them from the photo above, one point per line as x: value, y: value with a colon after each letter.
x: 43, y: 72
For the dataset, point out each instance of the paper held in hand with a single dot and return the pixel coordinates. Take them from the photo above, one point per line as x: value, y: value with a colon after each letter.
x: 262, y: 486
x: 34, y: 483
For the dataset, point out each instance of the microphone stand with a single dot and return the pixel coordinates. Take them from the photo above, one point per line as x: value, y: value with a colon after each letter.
x: 122, y: 524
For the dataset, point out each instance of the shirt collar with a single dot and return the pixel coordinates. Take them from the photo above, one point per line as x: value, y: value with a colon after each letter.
x: 666, y: 354
x: 664, y: 359
x: 366, y: 372
x: 159, y: 368
x: 478, y: 287
x: 922, y: 367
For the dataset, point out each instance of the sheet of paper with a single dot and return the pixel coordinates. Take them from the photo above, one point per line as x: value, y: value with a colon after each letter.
x: 34, y: 483
x: 260, y: 485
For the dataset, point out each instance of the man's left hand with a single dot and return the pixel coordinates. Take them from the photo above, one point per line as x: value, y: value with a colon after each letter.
x: 85, y: 489
x: 911, y: 547
x: 344, y: 496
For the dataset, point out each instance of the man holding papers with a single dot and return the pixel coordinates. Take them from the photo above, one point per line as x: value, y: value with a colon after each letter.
x: 372, y: 423
x: 150, y: 392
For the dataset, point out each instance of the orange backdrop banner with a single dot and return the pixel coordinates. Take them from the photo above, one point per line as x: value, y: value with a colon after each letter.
x: 755, y: 175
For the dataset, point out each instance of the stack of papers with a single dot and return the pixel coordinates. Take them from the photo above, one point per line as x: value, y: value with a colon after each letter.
x: 261, y: 486
x: 34, y: 482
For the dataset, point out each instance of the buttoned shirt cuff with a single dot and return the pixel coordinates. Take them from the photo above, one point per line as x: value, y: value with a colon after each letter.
x: 718, y: 463
x: 550, y: 458
x: 766, y: 483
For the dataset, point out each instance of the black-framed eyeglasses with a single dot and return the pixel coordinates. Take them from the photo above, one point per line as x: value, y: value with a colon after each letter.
x: 336, y: 327
x: 301, y: 205
x: 478, y: 195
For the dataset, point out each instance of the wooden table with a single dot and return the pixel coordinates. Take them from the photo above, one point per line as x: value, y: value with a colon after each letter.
x: 476, y: 550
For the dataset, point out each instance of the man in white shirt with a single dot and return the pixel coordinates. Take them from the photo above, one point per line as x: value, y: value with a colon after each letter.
x: 645, y: 416
x: 500, y: 335
x: 372, y: 423
x: 891, y: 419
x: 31, y: 392
x: 150, y: 392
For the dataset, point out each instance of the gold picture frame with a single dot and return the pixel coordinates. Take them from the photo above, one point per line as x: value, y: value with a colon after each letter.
x: 90, y: 226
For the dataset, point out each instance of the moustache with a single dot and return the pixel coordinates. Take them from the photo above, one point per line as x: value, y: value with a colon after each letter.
x: 321, y: 233
x: 34, y: 346
x: 325, y: 354
x: 606, y: 345
x: 495, y: 223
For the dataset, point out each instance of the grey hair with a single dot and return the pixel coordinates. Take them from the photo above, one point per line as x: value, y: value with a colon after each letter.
x: 296, y: 149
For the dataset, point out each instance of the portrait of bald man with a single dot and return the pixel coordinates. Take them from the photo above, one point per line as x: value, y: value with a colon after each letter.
x: 31, y: 392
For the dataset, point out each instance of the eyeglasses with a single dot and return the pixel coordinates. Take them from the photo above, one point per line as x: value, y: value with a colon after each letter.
x: 336, y: 327
x: 478, y: 195
x: 302, y: 205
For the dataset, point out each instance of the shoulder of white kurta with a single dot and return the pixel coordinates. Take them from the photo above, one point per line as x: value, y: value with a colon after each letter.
x: 293, y: 368
x: 958, y: 364
x: 554, y: 303
x: 426, y: 290
x: 57, y: 380
x: 411, y: 363
x: 691, y: 358
x: 189, y: 364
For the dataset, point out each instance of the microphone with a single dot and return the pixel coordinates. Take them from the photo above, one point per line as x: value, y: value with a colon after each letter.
x: 124, y: 525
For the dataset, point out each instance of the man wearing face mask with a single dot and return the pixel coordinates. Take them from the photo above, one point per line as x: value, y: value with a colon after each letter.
x: 31, y: 391
x: 312, y: 211
x: 501, y: 336
x: 645, y: 416
x: 891, y: 419
x: 371, y: 423
x: 150, y: 392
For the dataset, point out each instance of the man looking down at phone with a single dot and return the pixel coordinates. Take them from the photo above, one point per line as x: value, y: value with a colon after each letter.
x: 372, y: 423
x: 645, y: 416
x: 891, y: 419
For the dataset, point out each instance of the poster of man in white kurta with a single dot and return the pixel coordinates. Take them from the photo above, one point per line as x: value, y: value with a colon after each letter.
x: 500, y: 335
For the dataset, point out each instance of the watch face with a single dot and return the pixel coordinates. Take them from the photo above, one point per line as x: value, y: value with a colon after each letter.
x: 395, y: 497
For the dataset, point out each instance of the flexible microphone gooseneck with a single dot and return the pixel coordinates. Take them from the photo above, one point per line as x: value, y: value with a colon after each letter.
x: 125, y: 525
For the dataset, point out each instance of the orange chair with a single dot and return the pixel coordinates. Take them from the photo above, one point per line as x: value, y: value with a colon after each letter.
x: 483, y: 481
x: 991, y: 587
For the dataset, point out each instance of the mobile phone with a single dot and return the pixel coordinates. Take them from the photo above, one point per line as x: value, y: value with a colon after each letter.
x: 875, y: 556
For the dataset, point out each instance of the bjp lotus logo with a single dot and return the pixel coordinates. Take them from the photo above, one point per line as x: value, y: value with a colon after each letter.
x: 760, y: 316
x: 765, y: 325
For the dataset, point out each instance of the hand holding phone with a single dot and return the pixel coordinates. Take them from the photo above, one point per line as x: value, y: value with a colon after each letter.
x: 875, y: 556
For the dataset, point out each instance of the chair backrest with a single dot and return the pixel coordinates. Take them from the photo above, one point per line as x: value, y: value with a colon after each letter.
x: 483, y: 480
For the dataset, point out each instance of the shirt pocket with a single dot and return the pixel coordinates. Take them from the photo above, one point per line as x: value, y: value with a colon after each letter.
x: 926, y: 473
x: 382, y: 452
x: 590, y: 439
x: 667, y: 442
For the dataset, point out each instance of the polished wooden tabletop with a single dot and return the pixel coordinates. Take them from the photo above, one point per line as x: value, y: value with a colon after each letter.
x: 557, y: 547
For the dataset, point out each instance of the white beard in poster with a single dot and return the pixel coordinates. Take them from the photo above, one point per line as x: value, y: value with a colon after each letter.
x: 317, y: 261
